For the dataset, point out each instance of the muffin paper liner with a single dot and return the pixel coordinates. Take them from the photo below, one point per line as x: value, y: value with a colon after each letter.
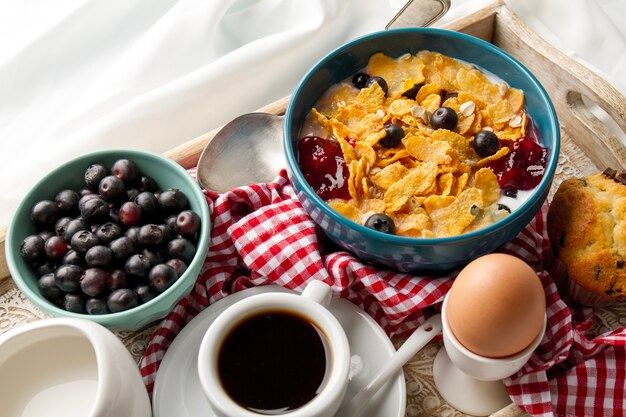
x: 261, y: 235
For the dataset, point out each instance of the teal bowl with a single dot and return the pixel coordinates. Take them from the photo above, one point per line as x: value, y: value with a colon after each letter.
x: 398, y: 252
x: 167, y: 174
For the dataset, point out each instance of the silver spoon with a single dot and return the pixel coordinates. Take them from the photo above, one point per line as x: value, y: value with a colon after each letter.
x: 249, y: 149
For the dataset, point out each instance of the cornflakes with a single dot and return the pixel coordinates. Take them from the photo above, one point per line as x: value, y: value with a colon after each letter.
x: 430, y: 182
x: 417, y: 182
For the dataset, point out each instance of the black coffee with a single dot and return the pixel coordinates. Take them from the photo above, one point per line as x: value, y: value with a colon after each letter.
x: 273, y: 362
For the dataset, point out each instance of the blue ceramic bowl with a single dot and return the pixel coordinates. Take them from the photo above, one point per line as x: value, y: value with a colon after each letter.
x: 404, y: 253
x: 168, y: 174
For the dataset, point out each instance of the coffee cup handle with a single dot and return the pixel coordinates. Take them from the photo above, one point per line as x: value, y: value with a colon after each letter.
x: 318, y: 291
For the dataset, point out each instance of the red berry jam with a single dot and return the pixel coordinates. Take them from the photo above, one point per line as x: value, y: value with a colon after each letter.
x: 321, y: 161
x: 523, y: 167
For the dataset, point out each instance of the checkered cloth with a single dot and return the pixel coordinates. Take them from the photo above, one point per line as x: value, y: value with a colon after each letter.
x: 261, y: 235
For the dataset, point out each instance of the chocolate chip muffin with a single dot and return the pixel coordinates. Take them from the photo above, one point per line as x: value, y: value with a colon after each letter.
x: 587, y: 230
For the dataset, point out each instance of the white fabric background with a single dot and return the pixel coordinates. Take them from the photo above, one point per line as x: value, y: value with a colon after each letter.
x: 82, y: 75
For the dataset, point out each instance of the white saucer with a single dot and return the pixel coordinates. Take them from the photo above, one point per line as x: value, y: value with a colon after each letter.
x: 177, y: 390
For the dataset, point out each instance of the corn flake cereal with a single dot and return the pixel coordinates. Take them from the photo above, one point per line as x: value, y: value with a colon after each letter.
x: 453, y: 219
x: 430, y: 181
x: 417, y: 182
x: 426, y: 149
x: 487, y: 182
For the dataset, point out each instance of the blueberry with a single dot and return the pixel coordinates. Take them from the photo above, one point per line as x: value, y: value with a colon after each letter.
x: 412, y: 92
x: 99, y: 257
x: 114, y: 216
x: 74, y: 303
x: 486, y: 143
x: 32, y: 248
x: 161, y: 277
x: 130, y: 214
x: 86, y: 198
x: 154, y: 256
x: 67, y: 277
x: 179, y: 266
x: 144, y: 293
x: 119, y: 279
x: 60, y: 225
x: 73, y: 258
x: 95, y: 210
x: 45, y: 234
x: 187, y: 223
x: 44, y: 214
x: 96, y: 306
x: 94, y: 174
x: 168, y: 232
x: 108, y: 232
x: 83, y: 241
x: 147, y: 183
x: 73, y: 227
x: 85, y: 191
x: 170, y: 221
x: 47, y: 267
x: 55, y: 248
x: 378, y: 80
x: 112, y: 188
x: 393, y: 136
x: 149, y: 204
x: 381, y: 223
x: 122, y: 299
x: 67, y: 201
x: 150, y: 235
x: 181, y: 249
x: 126, y: 170
x: 172, y: 201
x: 123, y: 247
x: 444, y: 118
x: 138, y: 265
x: 131, y: 194
x: 95, y: 281
x: 510, y: 192
x: 48, y: 287
x: 360, y: 80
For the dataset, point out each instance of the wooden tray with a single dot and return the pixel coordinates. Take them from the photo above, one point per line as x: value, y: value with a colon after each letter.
x: 587, y: 146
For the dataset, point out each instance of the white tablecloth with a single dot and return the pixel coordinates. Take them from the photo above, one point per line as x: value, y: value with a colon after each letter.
x: 82, y: 75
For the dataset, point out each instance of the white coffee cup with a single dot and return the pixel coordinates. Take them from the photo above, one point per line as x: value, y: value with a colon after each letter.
x: 312, y: 306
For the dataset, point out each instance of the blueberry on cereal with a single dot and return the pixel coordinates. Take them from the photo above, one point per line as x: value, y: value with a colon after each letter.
x: 381, y: 223
x: 378, y: 80
x: 360, y: 79
x: 393, y: 136
x: 486, y: 143
x: 444, y: 118
x: 411, y: 93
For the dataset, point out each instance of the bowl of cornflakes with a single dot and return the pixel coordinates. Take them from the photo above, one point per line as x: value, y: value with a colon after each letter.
x: 420, y: 149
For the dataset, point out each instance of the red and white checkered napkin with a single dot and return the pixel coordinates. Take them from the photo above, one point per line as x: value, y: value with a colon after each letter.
x: 261, y: 235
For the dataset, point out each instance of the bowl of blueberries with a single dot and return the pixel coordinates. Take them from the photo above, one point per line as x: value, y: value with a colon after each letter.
x: 116, y: 236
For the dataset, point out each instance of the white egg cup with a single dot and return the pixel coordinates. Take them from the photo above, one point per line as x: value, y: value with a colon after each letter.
x: 472, y: 383
x: 69, y: 367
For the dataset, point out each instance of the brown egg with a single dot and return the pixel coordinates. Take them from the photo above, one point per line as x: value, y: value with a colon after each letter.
x: 496, y: 306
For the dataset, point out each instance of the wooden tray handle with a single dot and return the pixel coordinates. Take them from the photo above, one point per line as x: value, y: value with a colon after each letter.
x: 567, y: 81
